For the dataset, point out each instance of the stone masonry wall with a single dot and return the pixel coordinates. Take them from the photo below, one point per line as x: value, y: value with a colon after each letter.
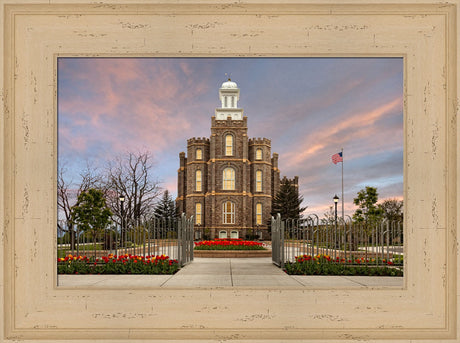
x: 212, y: 196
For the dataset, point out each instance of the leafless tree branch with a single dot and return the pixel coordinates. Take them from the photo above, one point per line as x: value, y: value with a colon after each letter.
x: 130, y: 175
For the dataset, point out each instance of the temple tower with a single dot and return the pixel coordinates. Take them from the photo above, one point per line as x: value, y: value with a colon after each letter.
x: 227, y: 182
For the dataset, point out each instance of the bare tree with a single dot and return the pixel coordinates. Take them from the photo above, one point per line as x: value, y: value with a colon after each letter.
x: 64, y: 195
x: 330, y: 215
x: 392, y: 209
x: 68, y: 192
x: 130, y: 175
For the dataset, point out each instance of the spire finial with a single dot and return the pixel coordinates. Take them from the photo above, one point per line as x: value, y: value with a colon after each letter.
x: 228, y: 76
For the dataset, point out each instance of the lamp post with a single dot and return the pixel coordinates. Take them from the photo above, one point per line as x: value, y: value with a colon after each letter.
x: 336, y: 200
x: 122, y: 201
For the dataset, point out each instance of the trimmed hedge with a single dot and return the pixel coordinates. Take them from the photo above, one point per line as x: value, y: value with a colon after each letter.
x: 112, y: 264
x: 229, y: 244
x: 325, y: 265
x: 313, y: 268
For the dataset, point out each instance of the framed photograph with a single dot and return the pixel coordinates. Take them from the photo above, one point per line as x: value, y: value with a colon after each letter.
x: 36, y: 35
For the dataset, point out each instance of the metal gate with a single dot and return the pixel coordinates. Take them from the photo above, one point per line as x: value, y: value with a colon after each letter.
x: 356, y: 243
x: 185, y: 240
x: 172, y: 237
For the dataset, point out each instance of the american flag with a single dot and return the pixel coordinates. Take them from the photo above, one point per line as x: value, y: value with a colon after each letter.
x: 336, y: 158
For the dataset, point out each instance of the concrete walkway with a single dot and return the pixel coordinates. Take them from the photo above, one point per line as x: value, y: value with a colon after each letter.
x: 228, y: 272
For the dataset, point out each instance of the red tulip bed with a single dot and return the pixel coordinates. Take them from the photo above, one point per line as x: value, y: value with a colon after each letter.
x: 325, y: 265
x: 229, y: 244
x: 113, y: 264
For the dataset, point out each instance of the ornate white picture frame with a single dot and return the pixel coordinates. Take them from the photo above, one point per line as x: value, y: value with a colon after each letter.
x: 35, y: 34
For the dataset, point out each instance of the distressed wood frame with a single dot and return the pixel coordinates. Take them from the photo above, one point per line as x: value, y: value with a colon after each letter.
x: 35, y: 34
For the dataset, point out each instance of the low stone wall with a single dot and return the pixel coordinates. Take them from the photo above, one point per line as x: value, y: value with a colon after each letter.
x: 232, y: 253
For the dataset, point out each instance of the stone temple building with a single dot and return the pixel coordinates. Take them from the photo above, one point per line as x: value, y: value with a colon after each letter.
x: 227, y: 181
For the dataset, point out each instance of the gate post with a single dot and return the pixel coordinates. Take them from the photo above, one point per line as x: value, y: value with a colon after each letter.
x: 191, y: 237
x: 185, y: 231
x: 180, y: 238
x: 275, y: 242
x: 278, y: 241
x: 282, y: 250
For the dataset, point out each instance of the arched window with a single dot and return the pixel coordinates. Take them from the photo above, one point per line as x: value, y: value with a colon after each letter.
x: 198, y: 213
x: 259, y: 214
x: 228, y: 212
x: 258, y: 154
x: 228, y: 179
x: 198, y: 180
x: 199, y: 154
x: 259, y: 181
x: 234, y: 234
x: 222, y: 234
x: 228, y: 145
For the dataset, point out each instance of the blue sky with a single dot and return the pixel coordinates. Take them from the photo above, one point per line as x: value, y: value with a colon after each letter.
x: 310, y: 108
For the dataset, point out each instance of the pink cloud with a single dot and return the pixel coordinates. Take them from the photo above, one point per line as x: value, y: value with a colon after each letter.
x: 186, y: 69
x: 353, y: 127
x: 171, y: 185
x: 320, y: 209
x: 130, y: 105
x: 367, y: 118
x: 71, y: 141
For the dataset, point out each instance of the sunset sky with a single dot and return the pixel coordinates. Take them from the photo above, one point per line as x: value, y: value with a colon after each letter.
x: 310, y: 108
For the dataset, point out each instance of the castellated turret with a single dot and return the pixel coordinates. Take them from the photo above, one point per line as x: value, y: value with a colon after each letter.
x: 294, y: 181
x: 181, y: 184
x: 260, y: 141
x: 198, y: 149
x: 199, y: 140
x: 260, y: 149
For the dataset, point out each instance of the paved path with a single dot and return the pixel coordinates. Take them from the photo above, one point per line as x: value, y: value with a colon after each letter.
x: 228, y: 272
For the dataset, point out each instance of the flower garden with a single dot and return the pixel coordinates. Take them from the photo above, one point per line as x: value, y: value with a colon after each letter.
x: 325, y: 265
x: 229, y: 244
x: 113, y: 264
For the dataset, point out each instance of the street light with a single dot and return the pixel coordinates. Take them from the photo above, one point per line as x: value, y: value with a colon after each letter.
x: 122, y: 201
x: 336, y: 200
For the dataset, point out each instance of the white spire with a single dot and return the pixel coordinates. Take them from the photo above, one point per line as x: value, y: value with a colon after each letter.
x: 229, y: 84
x: 229, y: 94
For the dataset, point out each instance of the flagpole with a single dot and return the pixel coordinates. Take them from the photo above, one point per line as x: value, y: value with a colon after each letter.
x: 343, y: 210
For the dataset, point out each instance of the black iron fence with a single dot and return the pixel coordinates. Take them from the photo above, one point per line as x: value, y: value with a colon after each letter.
x: 342, y: 240
x: 172, y: 237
